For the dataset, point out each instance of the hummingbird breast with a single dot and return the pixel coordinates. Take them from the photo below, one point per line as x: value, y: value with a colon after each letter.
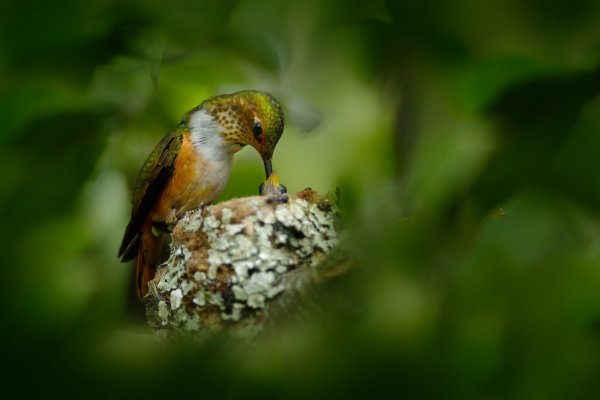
x: 197, y: 179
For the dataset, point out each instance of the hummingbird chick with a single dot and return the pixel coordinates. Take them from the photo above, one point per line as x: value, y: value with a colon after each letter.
x: 276, y: 191
x: 190, y: 167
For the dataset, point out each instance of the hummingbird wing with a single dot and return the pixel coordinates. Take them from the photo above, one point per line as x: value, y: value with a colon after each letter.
x: 151, y: 181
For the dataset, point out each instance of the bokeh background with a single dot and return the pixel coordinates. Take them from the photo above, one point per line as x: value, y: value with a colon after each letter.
x: 464, y: 137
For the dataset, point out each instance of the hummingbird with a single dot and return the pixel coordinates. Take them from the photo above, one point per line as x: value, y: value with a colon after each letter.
x: 190, y: 167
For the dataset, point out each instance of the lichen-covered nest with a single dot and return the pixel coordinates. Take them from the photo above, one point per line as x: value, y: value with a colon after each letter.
x: 235, y: 265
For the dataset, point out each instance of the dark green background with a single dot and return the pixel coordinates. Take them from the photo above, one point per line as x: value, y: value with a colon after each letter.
x: 464, y: 137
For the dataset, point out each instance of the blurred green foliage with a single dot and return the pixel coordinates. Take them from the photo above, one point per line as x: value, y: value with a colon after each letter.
x: 465, y: 139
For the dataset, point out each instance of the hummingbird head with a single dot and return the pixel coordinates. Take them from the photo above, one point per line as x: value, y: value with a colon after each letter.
x: 248, y: 117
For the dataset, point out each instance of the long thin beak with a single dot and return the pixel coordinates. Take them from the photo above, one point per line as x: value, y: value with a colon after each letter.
x: 268, y: 168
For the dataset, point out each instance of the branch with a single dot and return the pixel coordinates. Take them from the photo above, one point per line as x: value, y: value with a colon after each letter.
x: 239, y: 265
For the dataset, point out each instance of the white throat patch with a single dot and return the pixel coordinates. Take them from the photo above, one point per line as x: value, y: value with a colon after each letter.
x: 206, y: 138
x: 214, y: 151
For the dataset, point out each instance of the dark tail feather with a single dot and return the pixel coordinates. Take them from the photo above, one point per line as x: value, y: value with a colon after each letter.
x: 131, y: 251
x: 143, y: 274
x: 148, y: 257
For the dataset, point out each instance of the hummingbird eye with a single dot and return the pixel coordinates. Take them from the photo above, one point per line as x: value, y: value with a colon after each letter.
x: 257, y: 130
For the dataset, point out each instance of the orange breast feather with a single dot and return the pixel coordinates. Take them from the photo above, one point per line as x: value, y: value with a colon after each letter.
x: 185, y: 189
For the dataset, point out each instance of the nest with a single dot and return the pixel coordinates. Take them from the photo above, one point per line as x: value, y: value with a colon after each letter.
x: 238, y: 265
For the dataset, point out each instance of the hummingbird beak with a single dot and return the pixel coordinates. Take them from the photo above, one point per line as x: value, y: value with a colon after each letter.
x: 268, y: 167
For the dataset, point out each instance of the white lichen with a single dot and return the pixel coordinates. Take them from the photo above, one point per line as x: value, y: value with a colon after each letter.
x: 182, y: 252
x: 212, y: 270
x: 192, y: 223
x: 192, y: 324
x: 274, y: 291
x: 181, y: 316
x: 199, y: 276
x: 186, y: 287
x: 216, y: 299
x: 163, y: 311
x: 239, y: 293
x: 199, y: 299
x: 226, y: 215
x: 175, y: 298
x: 211, y: 223
x: 256, y: 300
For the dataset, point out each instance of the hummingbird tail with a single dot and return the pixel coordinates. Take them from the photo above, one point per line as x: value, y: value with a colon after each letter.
x: 143, y: 274
x: 148, y: 257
